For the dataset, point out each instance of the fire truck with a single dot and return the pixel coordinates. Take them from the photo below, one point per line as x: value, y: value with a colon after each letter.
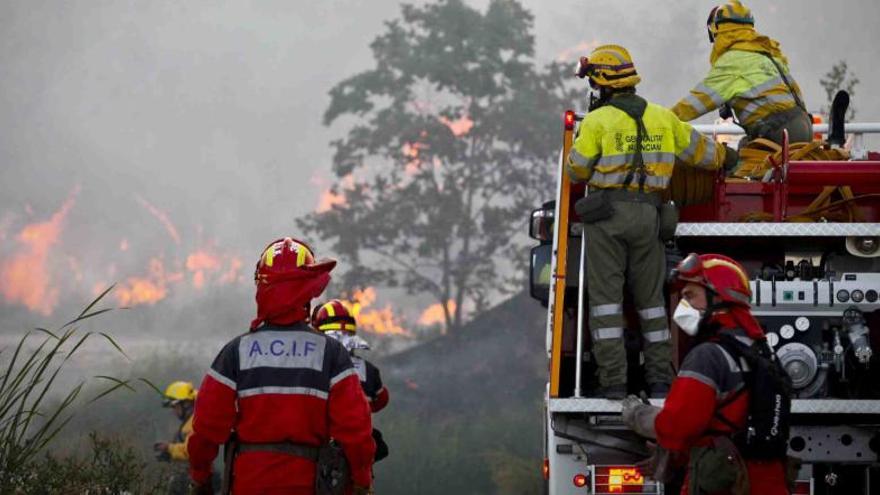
x: 815, y: 290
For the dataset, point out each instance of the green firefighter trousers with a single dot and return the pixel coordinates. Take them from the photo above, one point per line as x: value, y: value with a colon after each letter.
x: 626, y: 248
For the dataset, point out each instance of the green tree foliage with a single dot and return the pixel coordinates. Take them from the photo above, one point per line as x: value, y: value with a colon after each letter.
x: 836, y: 79
x: 453, y: 139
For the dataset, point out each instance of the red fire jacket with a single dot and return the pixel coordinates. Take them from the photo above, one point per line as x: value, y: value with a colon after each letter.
x: 707, y: 378
x: 281, y: 384
x: 371, y: 382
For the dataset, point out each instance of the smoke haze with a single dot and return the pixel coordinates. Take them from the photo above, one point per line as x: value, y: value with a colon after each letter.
x: 178, y: 138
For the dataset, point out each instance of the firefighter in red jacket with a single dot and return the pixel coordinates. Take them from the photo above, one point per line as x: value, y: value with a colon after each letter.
x: 705, y: 401
x: 336, y: 320
x: 283, y: 389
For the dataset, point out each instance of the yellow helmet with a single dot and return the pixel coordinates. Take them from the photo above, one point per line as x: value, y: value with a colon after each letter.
x: 179, y: 391
x: 610, y: 66
x: 734, y: 12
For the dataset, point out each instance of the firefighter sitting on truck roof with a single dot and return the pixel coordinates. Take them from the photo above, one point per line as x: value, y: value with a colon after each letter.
x: 749, y: 75
x: 285, y: 390
x: 180, y: 397
x: 335, y: 319
x: 625, y: 150
x: 703, y: 420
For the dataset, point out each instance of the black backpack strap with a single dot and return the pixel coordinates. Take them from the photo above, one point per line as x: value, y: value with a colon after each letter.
x: 634, y: 106
x: 797, y: 99
x: 737, y: 350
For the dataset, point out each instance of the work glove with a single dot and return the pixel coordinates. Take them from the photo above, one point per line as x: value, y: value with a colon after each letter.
x: 161, y: 450
x: 362, y: 490
x: 731, y: 159
x: 204, y: 488
x: 639, y: 417
x: 656, y: 466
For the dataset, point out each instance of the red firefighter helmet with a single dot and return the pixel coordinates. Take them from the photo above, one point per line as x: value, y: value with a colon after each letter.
x: 288, y: 277
x: 334, y: 315
x: 284, y: 258
x: 723, y: 276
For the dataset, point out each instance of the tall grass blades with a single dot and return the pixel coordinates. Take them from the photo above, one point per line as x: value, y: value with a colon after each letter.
x: 31, y: 416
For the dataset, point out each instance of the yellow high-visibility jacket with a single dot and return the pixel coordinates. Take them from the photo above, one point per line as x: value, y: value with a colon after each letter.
x: 177, y: 450
x: 749, y: 81
x: 604, y: 148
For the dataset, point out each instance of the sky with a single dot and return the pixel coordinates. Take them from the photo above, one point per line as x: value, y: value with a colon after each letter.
x: 172, y: 140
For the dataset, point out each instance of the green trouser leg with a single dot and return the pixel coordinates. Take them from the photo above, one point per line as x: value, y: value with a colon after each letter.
x: 626, y: 248
x: 646, y: 274
x: 606, y: 268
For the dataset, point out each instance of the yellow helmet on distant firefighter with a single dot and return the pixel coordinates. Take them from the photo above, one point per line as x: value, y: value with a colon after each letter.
x: 609, y: 66
x: 733, y: 12
x: 178, y: 392
x: 334, y: 315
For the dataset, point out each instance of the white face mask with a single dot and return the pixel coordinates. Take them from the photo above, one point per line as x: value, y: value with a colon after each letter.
x: 687, y: 317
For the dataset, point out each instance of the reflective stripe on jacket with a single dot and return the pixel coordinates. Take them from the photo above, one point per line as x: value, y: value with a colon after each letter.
x: 604, y: 148
x: 281, y: 384
x: 749, y: 81
x: 371, y: 381
x: 177, y: 450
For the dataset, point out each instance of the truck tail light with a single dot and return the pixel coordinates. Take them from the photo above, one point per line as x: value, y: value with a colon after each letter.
x: 619, y: 479
x: 803, y: 487
x: 545, y: 469
x: 580, y: 480
x: 569, y: 120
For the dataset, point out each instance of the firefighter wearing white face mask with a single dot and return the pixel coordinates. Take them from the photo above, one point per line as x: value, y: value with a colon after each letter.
x: 707, y: 400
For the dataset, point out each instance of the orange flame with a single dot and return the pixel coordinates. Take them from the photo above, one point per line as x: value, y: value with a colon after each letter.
x: 199, y: 263
x: 144, y: 290
x: 582, y: 49
x: 328, y: 200
x: 434, y: 314
x: 380, y: 321
x: 162, y: 217
x: 460, y: 126
x: 25, y: 277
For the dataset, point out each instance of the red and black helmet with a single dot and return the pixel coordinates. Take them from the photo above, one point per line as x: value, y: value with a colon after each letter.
x: 334, y: 315
x: 723, y: 276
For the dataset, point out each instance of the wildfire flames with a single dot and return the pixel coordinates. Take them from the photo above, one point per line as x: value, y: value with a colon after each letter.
x: 25, y: 278
x: 460, y: 126
x: 380, y: 321
x: 162, y: 218
x: 434, y: 315
x: 582, y: 49
x: 35, y: 275
x: 144, y: 290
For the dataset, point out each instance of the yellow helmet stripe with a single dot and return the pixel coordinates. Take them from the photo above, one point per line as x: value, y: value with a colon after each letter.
x: 718, y: 262
x: 269, y: 255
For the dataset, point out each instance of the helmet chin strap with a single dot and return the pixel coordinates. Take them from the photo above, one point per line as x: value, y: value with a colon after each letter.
x: 707, y: 327
x: 599, y: 97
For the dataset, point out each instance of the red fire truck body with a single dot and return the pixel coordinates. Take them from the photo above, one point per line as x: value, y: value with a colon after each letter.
x: 816, y: 292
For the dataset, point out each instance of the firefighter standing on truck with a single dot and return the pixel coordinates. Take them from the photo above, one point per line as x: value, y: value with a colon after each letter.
x: 707, y: 409
x: 284, y: 390
x: 337, y: 321
x: 749, y: 75
x: 625, y: 150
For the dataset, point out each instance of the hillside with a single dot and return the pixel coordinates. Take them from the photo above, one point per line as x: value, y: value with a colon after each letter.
x: 470, y: 404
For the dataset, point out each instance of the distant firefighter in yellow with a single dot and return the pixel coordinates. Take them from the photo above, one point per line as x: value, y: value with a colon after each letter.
x: 180, y: 396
